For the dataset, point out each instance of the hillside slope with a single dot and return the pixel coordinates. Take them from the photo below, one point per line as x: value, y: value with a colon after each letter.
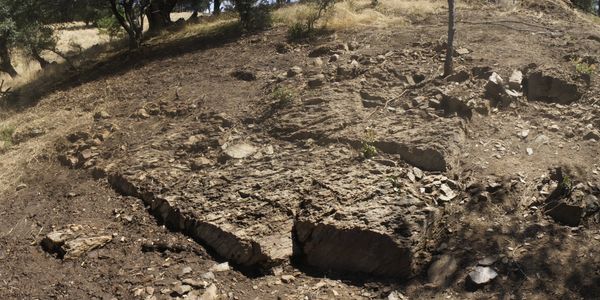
x: 254, y: 168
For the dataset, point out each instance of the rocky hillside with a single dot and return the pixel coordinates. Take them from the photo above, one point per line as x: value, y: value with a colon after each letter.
x: 340, y: 168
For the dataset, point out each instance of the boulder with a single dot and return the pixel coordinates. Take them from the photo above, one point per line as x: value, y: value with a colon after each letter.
x: 551, y: 89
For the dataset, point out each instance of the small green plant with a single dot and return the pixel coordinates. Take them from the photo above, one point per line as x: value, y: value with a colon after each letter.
x: 108, y: 25
x: 283, y: 96
x: 584, y: 68
x: 368, y: 150
x: 6, y: 134
x: 566, y: 184
x: 298, y: 31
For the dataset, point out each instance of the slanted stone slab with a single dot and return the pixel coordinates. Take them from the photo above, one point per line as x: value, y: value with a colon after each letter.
x: 428, y: 142
x: 243, y: 210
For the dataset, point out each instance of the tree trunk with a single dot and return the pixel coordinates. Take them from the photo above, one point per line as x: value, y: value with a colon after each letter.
x: 36, y: 55
x: 159, y: 14
x: 216, y: 7
x: 451, y: 30
x: 5, y: 64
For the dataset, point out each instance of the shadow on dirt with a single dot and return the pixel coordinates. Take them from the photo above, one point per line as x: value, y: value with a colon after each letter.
x: 65, y: 75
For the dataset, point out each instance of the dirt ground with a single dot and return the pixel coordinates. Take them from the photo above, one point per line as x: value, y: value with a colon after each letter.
x: 340, y: 168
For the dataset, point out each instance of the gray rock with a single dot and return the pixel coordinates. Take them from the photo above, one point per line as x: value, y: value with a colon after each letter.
x: 334, y: 58
x: 487, y: 261
x: 239, y: 151
x: 21, y: 186
x: 210, y: 293
x: 101, y: 115
x: 316, y: 81
x: 181, y: 289
x: 141, y: 114
x: 592, y: 135
x: 482, y: 275
x: 287, y: 278
x: 442, y: 270
x: 195, y: 283
x: 515, y: 80
x: 186, y: 270
x: 353, y: 45
x: 462, y: 51
x: 294, y: 71
x: 208, y: 276
x: 459, y: 76
x: 317, y: 62
x: 223, y: 267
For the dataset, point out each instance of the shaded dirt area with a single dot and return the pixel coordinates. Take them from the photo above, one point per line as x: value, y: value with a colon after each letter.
x: 341, y: 168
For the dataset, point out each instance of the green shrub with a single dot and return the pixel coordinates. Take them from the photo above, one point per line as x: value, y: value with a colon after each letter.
x: 283, y: 96
x: 110, y: 26
x: 585, y: 68
x: 6, y: 134
x: 368, y: 149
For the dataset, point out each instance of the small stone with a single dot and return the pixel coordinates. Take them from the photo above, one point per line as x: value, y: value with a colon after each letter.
x: 487, y: 261
x: 239, y: 151
x: 21, y: 186
x: 592, y: 135
x: 515, y: 80
x: 462, y: 51
x: 101, y: 115
x: 181, y: 289
x: 482, y: 275
x: 316, y: 81
x: 334, y: 58
x: 287, y: 278
x: 208, y: 276
x: 353, y: 45
x: 524, y: 133
x: 149, y: 290
x: 141, y: 113
x: 396, y: 296
x: 200, y: 163
x: 220, y: 267
x: 529, y: 151
x: 294, y: 71
x: 210, y: 293
x: 554, y: 128
x: 195, y: 283
x: 442, y: 270
x: 186, y: 270
x: 418, y: 173
x: 317, y: 62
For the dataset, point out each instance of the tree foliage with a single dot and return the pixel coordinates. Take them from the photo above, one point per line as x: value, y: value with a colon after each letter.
x: 22, y: 26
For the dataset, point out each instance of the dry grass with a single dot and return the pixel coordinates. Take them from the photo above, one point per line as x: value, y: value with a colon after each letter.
x: 56, y: 123
x: 207, y: 27
x: 352, y: 13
